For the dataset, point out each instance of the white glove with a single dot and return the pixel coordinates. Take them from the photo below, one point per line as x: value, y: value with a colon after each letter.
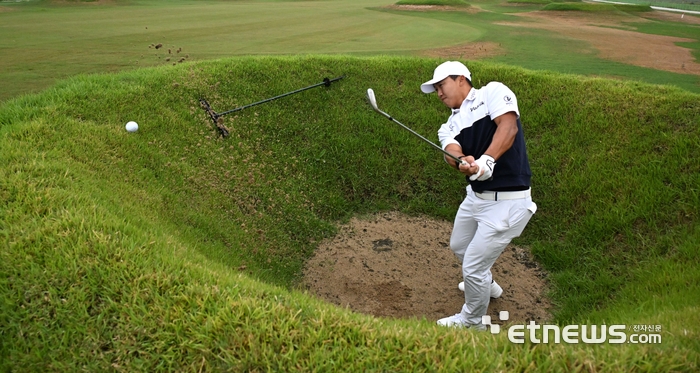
x: 486, y: 164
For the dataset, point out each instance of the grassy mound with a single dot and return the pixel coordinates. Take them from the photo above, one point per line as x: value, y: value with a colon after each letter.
x: 174, y: 249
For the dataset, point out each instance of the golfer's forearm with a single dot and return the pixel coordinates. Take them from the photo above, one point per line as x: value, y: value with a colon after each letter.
x: 455, y: 150
x: 504, y: 137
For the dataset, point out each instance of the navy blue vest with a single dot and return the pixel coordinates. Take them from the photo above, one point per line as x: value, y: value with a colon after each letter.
x: 512, y: 168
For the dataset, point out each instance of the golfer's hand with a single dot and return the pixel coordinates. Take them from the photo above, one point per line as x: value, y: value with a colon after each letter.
x: 470, y: 168
x: 484, y: 166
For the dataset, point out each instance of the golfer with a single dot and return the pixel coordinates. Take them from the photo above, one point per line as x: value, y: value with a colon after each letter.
x: 485, y: 132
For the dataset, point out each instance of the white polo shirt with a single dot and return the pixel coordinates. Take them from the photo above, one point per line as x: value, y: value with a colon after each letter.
x: 491, y: 101
x: 472, y: 127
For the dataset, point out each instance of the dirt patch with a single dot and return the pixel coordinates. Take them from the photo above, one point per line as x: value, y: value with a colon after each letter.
x: 626, y: 46
x: 5, y: 9
x: 470, y: 51
x: 393, y: 265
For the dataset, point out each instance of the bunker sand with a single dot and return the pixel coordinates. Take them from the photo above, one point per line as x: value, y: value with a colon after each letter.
x: 393, y: 265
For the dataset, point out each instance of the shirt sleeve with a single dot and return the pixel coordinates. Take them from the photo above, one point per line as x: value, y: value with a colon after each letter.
x: 500, y: 100
x: 447, y: 134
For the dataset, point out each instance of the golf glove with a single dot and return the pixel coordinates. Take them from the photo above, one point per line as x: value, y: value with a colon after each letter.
x: 486, y: 164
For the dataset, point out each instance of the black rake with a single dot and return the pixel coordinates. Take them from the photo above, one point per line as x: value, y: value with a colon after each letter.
x: 216, y: 117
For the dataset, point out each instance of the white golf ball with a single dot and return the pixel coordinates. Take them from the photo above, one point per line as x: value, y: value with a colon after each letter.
x: 132, y: 126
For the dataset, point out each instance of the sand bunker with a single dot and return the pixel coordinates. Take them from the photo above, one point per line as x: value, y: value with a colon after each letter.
x: 393, y: 265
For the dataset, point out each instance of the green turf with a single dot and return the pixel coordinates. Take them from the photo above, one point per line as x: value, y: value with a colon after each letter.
x: 544, y: 50
x: 529, y: 1
x: 673, y: 4
x: 42, y: 41
x: 172, y: 249
x: 433, y: 2
x: 594, y: 7
x: 681, y: 30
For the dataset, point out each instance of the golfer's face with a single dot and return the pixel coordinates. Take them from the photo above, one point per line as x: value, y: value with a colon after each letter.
x: 448, y: 90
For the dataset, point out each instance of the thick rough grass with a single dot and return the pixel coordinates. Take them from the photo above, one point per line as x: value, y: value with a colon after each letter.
x: 174, y: 249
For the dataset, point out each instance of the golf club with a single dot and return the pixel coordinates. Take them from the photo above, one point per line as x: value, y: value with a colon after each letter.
x: 373, y: 102
x: 215, y: 117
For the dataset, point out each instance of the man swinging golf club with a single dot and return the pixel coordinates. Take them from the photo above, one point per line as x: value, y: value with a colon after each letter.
x: 485, y: 132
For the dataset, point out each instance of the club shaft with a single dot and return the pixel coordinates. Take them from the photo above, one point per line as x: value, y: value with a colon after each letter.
x: 421, y: 137
x: 325, y: 82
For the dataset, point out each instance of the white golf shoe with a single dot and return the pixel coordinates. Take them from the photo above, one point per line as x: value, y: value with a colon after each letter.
x: 496, y: 290
x: 458, y: 321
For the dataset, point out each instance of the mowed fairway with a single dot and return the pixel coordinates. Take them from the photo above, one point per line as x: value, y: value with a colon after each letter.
x: 42, y: 43
x: 604, y: 42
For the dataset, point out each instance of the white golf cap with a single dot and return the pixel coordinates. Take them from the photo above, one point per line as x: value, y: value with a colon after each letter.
x: 443, y: 71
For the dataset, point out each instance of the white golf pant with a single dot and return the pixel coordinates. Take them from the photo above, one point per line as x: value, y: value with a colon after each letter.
x: 482, y: 230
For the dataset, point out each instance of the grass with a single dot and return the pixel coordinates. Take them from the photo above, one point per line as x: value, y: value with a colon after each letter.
x: 673, y: 4
x: 542, y: 50
x: 529, y: 1
x: 679, y: 30
x: 688, y: 31
x: 42, y: 41
x: 174, y: 249
x: 433, y: 2
x: 595, y: 7
x: 171, y: 249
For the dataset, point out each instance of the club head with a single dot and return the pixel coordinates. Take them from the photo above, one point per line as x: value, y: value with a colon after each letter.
x: 372, y: 99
